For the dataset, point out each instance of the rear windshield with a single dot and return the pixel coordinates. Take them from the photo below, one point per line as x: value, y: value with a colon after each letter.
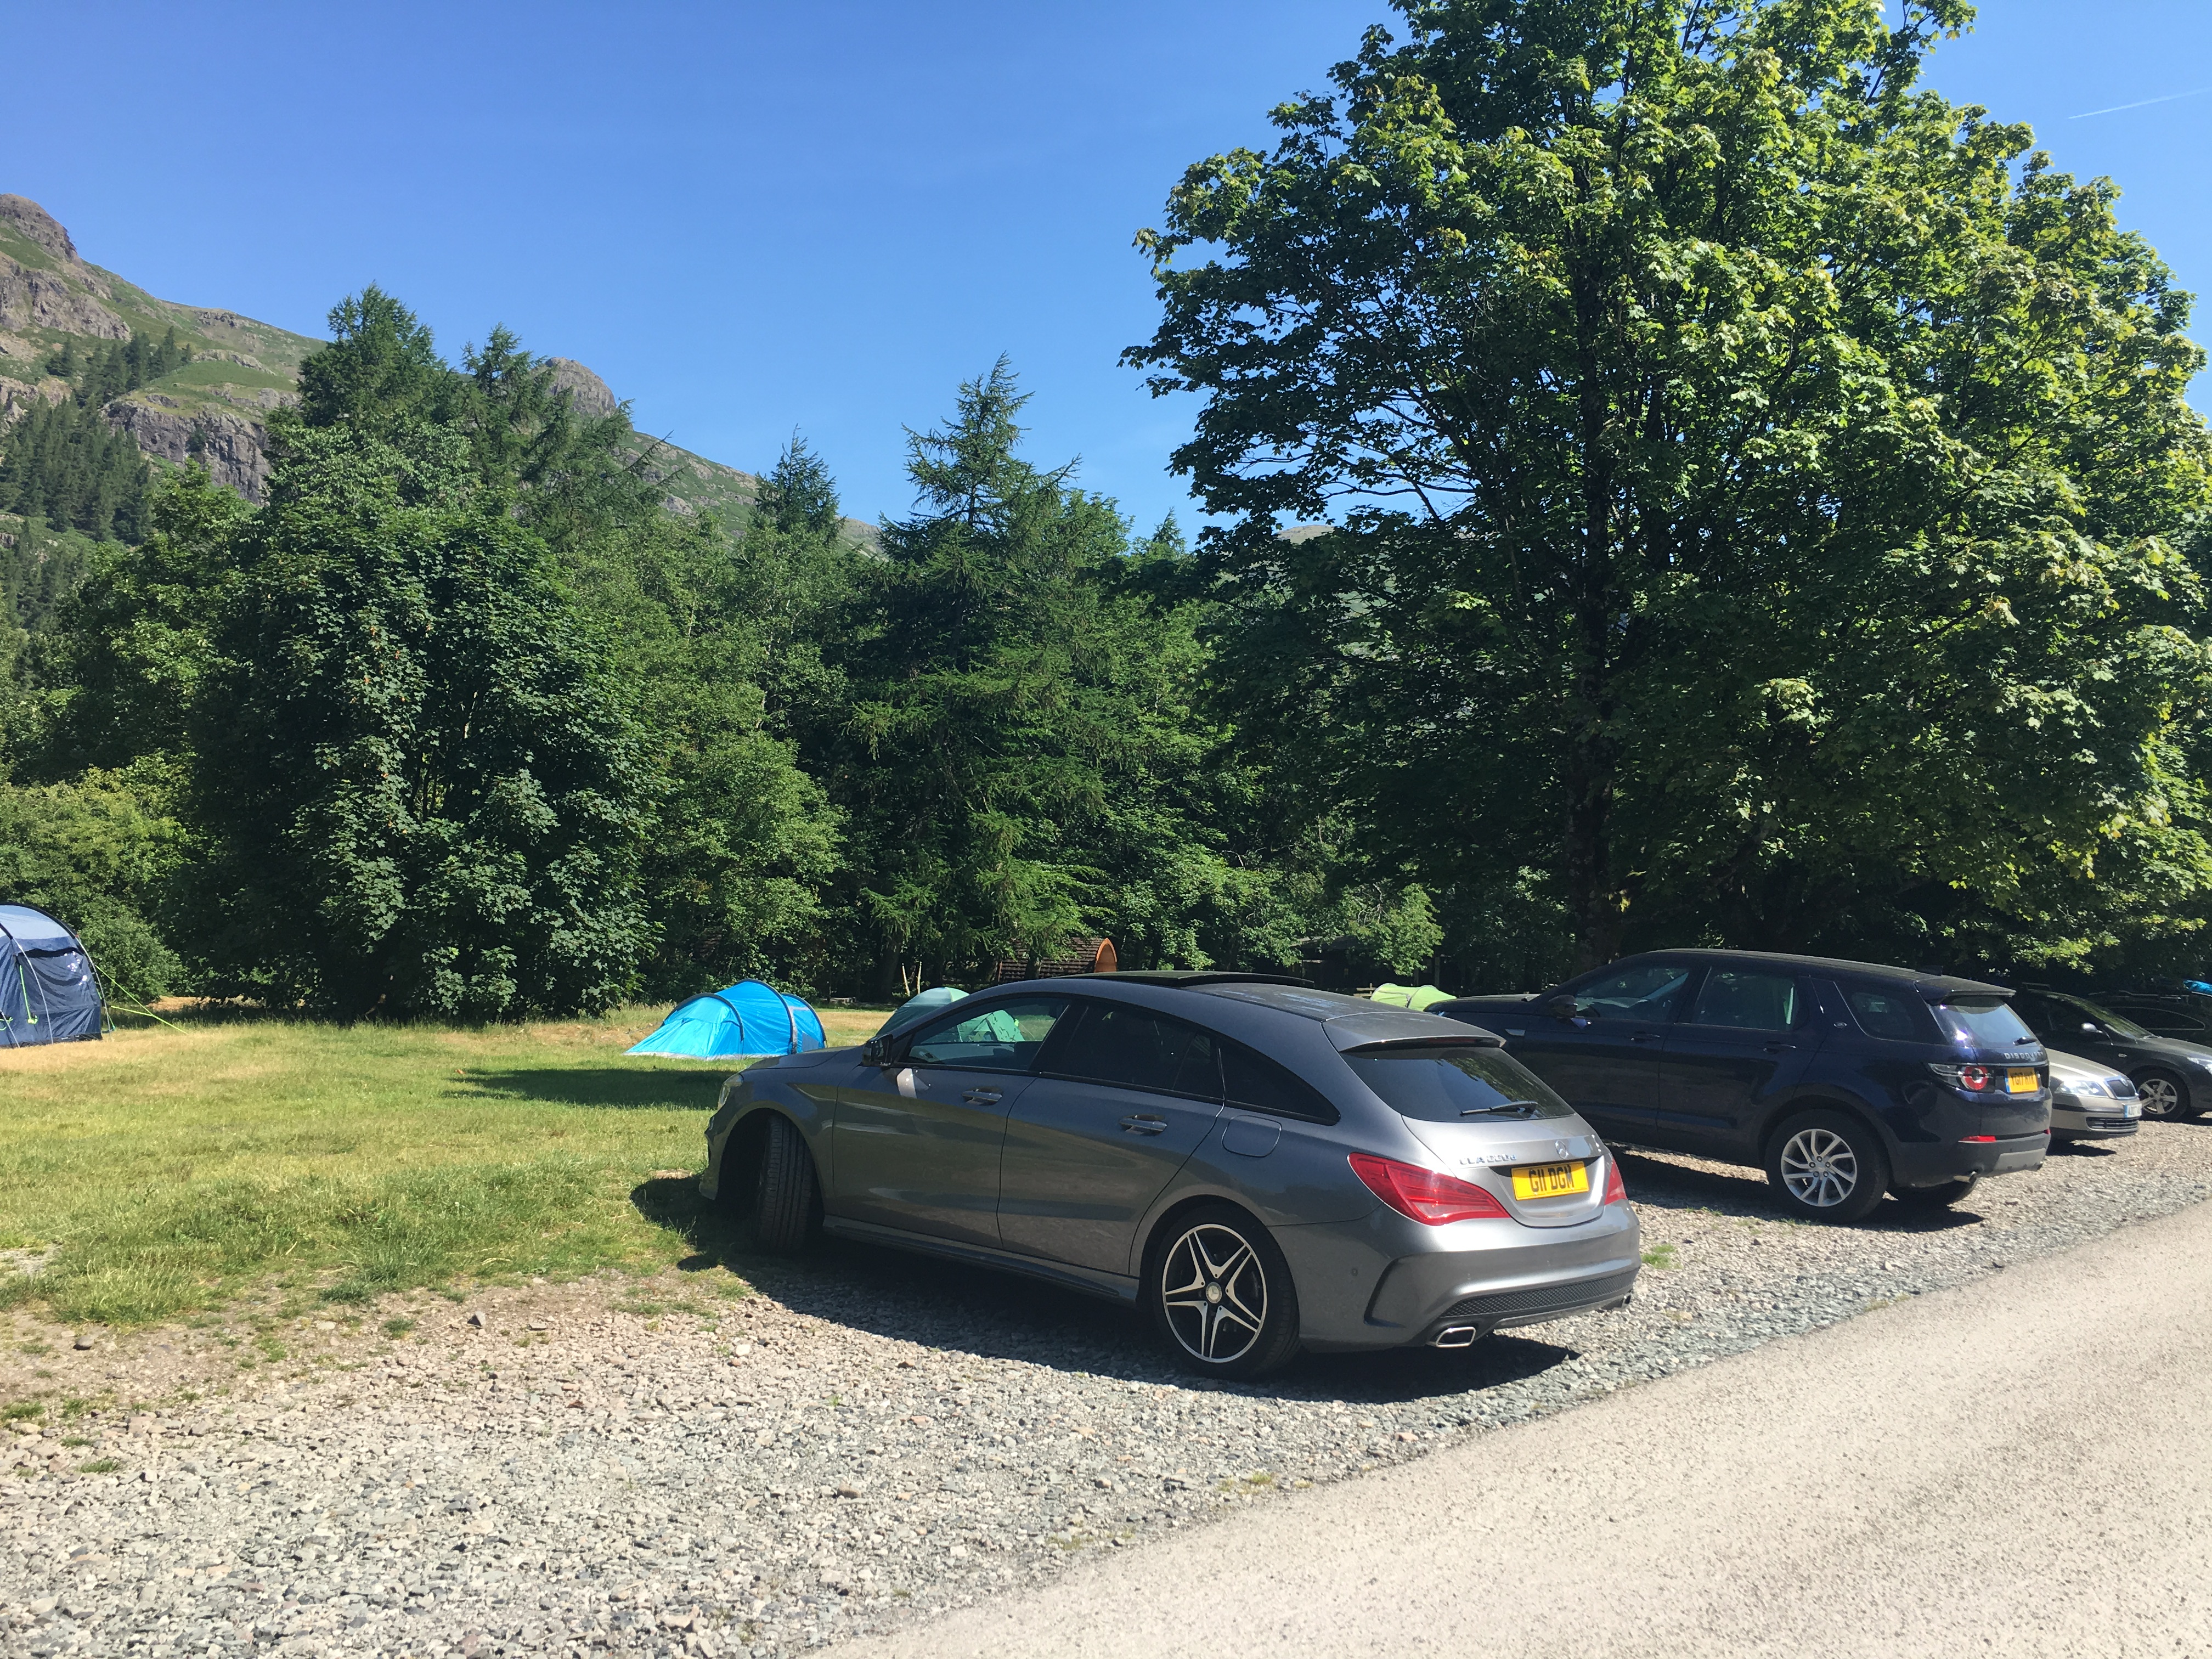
x: 1455, y: 1085
x: 1989, y: 1025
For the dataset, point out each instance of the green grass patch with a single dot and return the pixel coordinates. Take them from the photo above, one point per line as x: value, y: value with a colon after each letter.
x: 1663, y: 1256
x: 176, y: 1168
x: 101, y: 1466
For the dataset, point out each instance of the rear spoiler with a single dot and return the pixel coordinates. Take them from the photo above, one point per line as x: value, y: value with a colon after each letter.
x: 1474, y: 1037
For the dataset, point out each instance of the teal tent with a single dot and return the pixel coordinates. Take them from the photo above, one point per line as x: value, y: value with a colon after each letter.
x: 748, y: 1018
x: 920, y: 1007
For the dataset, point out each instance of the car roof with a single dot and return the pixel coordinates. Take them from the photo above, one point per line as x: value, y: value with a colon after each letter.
x: 1350, y: 1022
x: 1934, y: 987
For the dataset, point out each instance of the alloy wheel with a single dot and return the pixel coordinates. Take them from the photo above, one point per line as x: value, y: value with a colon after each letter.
x: 2160, y: 1098
x: 1215, y: 1293
x: 1819, y: 1167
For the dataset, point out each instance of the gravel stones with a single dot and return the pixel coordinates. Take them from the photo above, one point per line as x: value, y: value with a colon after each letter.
x: 871, y: 1436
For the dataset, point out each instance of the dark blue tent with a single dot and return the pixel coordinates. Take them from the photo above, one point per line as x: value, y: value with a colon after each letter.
x: 47, y: 992
x: 748, y: 1018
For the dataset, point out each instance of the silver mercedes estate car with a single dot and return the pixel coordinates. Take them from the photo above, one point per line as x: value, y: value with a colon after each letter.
x: 1262, y: 1166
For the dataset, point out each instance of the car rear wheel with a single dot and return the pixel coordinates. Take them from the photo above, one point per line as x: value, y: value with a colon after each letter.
x: 1827, y: 1166
x: 1938, y: 1197
x: 786, y: 1196
x: 1220, y: 1293
x: 2164, y: 1095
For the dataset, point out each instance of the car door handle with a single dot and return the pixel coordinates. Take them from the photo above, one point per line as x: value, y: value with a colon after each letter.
x: 1644, y: 1037
x: 1144, y: 1123
x: 984, y: 1097
x: 1781, y: 1047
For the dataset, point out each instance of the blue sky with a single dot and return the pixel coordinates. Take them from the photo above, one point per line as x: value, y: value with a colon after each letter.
x: 755, y: 219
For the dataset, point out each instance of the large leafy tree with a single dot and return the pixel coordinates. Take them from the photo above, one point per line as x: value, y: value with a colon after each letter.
x: 419, y: 788
x: 1761, y: 494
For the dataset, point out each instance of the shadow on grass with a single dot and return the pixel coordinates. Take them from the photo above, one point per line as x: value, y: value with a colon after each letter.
x: 956, y: 1308
x: 1656, y: 1181
x: 616, y: 1086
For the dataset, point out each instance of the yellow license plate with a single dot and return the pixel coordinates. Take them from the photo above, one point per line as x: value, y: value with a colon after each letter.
x: 1550, y: 1180
x: 2019, y: 1082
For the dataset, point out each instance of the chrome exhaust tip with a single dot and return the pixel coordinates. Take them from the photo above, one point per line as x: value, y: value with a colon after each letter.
x: 1454, y: 1336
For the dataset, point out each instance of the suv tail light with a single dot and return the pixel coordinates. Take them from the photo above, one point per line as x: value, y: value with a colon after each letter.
x: 1616, y: 1190
x: 1974, y: 1079
x: 1425, y: 1195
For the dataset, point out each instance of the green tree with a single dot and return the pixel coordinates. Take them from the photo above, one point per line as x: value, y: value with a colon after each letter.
x: 718, y: 642
x: 96, y: 851
x: 1759, y: 494
x: 1022, y: 761
x: 421, y: 793
x: 133, y: 639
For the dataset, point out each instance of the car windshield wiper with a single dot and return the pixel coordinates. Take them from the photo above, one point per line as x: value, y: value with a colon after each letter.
x: 1524, y: 1107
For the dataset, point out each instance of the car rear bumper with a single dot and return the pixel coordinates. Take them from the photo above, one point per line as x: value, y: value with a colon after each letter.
x: 1925, y: 1164
x: 1385, y: 1282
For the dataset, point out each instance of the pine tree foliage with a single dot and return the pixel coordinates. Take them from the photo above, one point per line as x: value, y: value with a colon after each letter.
x: 66, y: 463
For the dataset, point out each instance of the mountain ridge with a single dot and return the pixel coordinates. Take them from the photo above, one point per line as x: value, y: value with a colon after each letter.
x: 216, y: 407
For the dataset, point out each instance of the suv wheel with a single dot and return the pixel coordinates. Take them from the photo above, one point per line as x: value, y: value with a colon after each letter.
x: 787, y: 1199
x: 2164, y: 1095
x: 1219, y: 1291
x: 1827, y: 1166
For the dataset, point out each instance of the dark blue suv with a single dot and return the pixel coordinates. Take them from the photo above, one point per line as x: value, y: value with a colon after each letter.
x: 1843, y: 1080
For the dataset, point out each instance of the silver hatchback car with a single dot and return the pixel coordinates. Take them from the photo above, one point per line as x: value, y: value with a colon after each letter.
x: 1262, y: 1166
x: 2089, y: 1102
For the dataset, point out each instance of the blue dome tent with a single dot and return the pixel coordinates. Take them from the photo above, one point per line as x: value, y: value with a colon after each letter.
x: 748, y: 1018
x: 47, y: 991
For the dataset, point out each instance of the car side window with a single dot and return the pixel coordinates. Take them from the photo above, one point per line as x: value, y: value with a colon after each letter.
x: 1890, y: 1014
x: 1004, y: 1037
x: 1646, y: 992
x: 1255, y: 1083
x: 1136, y: 1048
x: 1746, y: 1002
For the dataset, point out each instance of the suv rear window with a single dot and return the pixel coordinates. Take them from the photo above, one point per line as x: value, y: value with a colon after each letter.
x: 1454, y: 1085
x: 1990, y: 1024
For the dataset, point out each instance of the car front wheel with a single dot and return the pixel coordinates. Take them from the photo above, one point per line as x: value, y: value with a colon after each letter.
x: 1827, y: 1166
x: 787, y: 1197
x: 1221, y: 1292
x: 2164, y: 1095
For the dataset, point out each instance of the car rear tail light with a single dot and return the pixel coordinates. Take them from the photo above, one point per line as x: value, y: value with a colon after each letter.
x: 1977, y: 1140
x: 1974, y: 1079
x: 1616, y: 1190
x: 1424, y: 1195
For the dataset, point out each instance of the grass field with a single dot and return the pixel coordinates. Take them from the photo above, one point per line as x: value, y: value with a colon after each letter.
x: 175, y: 1167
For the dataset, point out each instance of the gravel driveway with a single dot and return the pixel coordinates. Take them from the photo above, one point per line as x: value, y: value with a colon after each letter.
x: 869, y: 1436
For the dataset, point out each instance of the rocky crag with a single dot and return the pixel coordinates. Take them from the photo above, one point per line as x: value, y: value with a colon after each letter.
x: 240, y: 370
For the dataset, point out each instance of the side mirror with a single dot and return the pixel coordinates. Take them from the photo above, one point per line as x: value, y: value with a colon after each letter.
x: 2090, y: 1026
x: 1560, y: 1006
x: 875, y: 1051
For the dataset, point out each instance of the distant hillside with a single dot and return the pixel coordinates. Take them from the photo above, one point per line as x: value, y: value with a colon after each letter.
x: 219, y: 402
